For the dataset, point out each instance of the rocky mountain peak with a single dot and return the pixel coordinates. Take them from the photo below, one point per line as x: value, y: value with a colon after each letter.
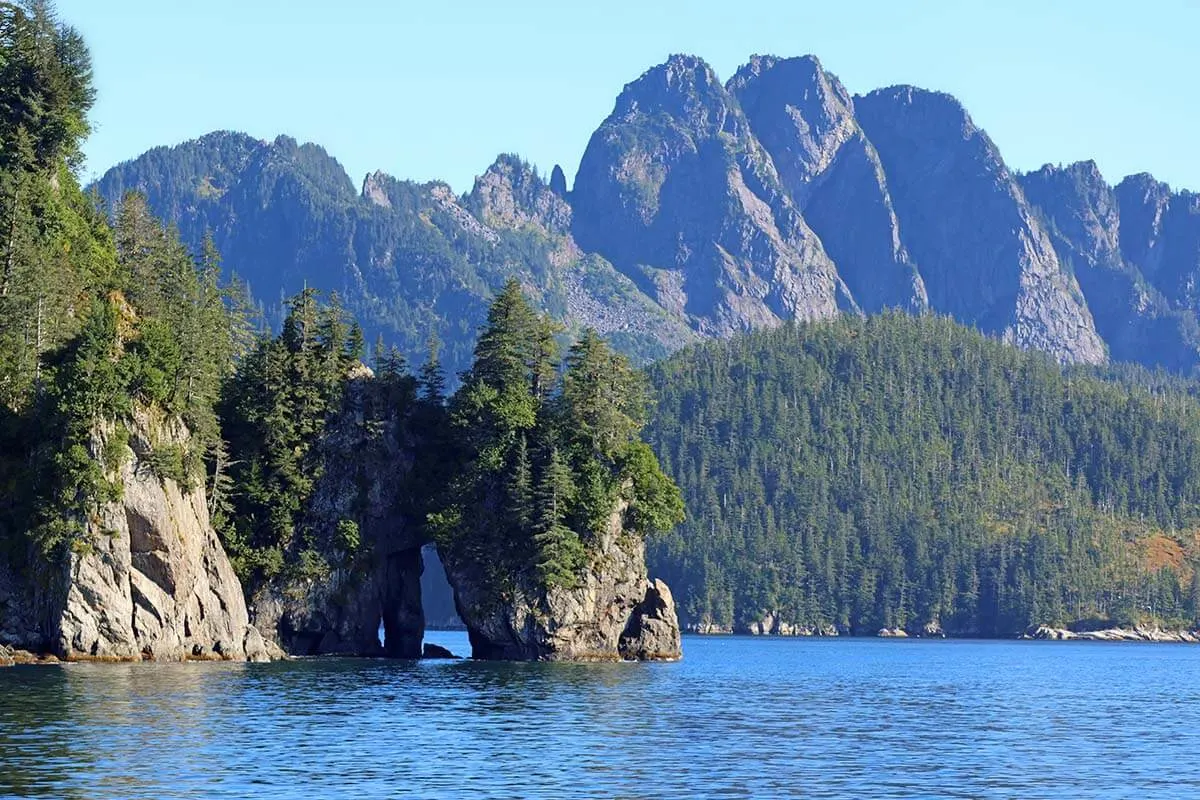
x: 801, y: 114
x: 374, y: 189
x: 558, y: 181
x: 511, y: 194
x: 1084, y: 220
x: 684, y: 88
x: 1143, y: 202
x: 963, y: 213
x: 925, y: 108
x: 1077, y: 200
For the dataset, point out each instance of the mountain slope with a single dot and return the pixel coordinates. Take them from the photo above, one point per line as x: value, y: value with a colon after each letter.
x: 805, y: 119
x: 984, y: 258
x: 675, y: 190
x: 701, y: 209
x: 1084, y: 221
x: 907, y: 472
x: 409, y: 260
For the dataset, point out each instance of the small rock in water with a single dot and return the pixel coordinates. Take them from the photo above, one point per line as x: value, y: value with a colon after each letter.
x: 436, y: 651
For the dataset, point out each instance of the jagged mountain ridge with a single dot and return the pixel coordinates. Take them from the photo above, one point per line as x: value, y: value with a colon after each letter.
x: 410, y: 261
x: 703, y: 208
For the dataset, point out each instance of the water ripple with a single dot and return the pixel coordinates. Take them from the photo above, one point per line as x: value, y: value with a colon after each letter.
x: 739, y: 718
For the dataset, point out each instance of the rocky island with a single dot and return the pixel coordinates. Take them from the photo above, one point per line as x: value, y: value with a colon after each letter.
x: 533, y: 485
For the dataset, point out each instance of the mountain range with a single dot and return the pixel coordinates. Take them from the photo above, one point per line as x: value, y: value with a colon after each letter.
x: 702, y: 208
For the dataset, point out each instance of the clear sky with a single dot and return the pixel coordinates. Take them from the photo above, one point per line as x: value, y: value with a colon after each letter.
x: 436, y: 89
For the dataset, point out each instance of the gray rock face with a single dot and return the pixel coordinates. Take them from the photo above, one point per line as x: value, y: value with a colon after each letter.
x: 367, y: 456
x: 1160, y: 234
x: 151, y: 582
x: 1083, y: 218
x: 1136, y: 634
x: 984, y: 258
x: 511, y: 195
x: 805, y: 120
x: 677, y: 193
x: 614, y: 613
x: 511, y: 199
x: 341, y: 614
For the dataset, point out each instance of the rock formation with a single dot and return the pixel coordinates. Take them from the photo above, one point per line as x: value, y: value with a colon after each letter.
x: 805, y: 120
x: 963, y: 214
x: 367, y: 455
x: 149, y: 579
x: 1135, y: 634
x: 675, y: 190
x: 1083, y: 217
x: 615, y: 612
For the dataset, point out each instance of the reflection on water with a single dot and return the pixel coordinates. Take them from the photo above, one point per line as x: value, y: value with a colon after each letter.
x: 737, y: 718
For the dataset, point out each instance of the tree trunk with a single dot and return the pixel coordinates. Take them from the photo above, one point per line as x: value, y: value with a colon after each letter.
x: 12, y: 244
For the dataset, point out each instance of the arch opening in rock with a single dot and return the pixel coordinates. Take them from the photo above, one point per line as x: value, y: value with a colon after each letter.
x: 443, y: 627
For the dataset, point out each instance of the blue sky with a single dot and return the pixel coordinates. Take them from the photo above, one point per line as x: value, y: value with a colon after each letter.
x: 438, y: 89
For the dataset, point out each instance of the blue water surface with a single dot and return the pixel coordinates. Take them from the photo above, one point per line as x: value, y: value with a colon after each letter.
x: 738, y: 717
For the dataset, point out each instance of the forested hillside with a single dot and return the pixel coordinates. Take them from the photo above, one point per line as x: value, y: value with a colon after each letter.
x: 898, y: 471
x: 93, y: 319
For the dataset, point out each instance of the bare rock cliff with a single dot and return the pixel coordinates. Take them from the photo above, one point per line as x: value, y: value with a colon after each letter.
x: 149, y: 579
x: 615, y: 612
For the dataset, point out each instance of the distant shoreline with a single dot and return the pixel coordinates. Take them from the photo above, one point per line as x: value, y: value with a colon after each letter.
x: 1040, y: 633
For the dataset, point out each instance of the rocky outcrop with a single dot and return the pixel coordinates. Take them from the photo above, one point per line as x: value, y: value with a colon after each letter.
x: 1136, y: 634
x: 984, y: 258
x: 614, y: 613
x: 1082, y: 215
x: 148, y: 579
x: 511, y: 199
x: 339, y: 607
x: 676, y: 192
x: 805, y: 120
x: 1160, y: 235
x: 435, y: 651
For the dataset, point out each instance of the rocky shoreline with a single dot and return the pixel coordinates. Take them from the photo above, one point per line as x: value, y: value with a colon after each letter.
x: 773, y: 627
x: 1136, y: 634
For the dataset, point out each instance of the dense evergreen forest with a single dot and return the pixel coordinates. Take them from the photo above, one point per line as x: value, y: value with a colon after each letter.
x: 897, y: 471
x: 105, y: 316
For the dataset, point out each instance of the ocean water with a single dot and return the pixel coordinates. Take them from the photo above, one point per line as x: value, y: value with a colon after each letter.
x: 738, y: 717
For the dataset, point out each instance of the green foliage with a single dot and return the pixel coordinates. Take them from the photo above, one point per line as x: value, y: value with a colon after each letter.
x: 347, y: 536
x: 543, y: 458
x: 895, y: 471
x: 93, y: 322
x: 655, y: 502
x: 115, y: 445
x: 274, y: 410
x: 168, y: 461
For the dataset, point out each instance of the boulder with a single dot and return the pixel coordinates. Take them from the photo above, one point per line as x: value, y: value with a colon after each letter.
x: 431, y: 650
